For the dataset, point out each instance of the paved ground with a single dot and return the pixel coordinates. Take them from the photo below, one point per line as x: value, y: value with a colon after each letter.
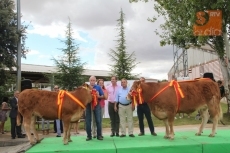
x: 19, y: 145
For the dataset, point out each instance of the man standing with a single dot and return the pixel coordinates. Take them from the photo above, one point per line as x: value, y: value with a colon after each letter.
x: 125, y: 109
x: 58, y: 121
x: 94, y: 109
x: 143, y: 109
x: 222, y: 90
x: 13, y: 117
x: 114, y: 117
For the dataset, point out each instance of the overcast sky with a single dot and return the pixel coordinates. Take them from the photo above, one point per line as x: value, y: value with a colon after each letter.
x: 94, y: 24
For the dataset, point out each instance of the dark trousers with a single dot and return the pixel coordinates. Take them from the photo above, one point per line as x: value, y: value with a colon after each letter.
x: 55, y: 127
x: 88, y: 119
x: 114, y: 118
x: 142, y: 110
x: 15, y: 130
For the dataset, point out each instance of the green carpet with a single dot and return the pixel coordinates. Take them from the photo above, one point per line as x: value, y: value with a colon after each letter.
x: 184, y: 142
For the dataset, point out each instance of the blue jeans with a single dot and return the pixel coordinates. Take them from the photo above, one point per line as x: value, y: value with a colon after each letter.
x: 58, y: 126
x: 88, y: 119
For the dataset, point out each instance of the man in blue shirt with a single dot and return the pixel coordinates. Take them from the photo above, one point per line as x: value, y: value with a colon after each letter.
x: 125, y: 109
x: 96, y: 110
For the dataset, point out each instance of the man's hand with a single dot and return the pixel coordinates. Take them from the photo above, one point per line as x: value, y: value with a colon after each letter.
x: 133, y: 107
x: 98, y: 94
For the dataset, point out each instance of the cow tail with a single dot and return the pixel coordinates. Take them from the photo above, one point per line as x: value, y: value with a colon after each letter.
x: 19, y: 119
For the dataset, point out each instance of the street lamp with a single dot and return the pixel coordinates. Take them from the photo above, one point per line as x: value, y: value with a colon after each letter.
x: 19, y: 48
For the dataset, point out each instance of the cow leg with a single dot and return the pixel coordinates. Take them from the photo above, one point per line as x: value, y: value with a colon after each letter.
x: 171, y: 133
x: 68, y: 134
x: 205, y: 117
x: 27, y: 123
x: 66, y: 128
x: 215, y: 114
x: 214, y: 126
x: 166, y: 128
x: 33, y: 129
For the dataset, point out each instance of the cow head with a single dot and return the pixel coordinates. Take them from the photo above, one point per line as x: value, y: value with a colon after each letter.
x: 85, y: 85
x: 85, y: 90
x: 136, y: 84
x: 133, y: 90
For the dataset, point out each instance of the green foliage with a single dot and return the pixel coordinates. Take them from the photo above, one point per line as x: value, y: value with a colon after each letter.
x: 9, y: 37
x: 179, y: 20
x: 123, y: 62
x: 4, y: 89
x: 69, y: 66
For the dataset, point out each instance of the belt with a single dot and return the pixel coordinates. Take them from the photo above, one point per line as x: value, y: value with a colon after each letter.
x: 125, y: 104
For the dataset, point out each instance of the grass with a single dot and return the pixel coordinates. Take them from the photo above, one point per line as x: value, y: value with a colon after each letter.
x: 157, y: 122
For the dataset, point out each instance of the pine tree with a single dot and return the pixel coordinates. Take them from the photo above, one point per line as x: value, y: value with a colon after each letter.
x: 124, y: 63
x: 70, y: 68
x: 9, y: 37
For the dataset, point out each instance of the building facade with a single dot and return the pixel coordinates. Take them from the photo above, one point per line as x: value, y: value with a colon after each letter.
x: 200, y: 61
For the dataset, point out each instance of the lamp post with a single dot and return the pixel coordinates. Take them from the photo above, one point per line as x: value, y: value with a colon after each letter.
x: 19, y: 53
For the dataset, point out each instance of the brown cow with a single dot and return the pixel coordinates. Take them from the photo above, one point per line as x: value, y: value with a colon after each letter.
x: 201, y: 94
x: 32, y: 103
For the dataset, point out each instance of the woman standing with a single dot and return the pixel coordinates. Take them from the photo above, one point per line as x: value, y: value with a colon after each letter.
x: 3, y: 116
x: 100, y: 82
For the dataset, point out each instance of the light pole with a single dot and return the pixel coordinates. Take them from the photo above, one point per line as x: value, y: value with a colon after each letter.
x: 19, y: 55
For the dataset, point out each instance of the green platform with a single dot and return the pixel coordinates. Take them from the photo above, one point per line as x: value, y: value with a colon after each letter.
x: 184, y: 142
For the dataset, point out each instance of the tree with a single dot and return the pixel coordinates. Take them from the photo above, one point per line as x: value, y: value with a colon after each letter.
x: 69, y: 66
x: 9, y: 37
x: 180, y: 16
x: 124, y: 63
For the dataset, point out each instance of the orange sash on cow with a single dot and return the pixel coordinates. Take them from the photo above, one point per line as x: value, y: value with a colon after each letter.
x: 137, y: 96
x: 179, y: 93
x: 61, y: 95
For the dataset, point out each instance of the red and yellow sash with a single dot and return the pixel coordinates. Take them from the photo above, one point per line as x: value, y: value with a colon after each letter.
x: 138, y: 93
x: 179, y: 93
x: 61, y: 95
x: 94, y: 94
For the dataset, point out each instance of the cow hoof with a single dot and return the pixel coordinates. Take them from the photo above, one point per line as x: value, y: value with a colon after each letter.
x: 171, y: 138
x: 38, y: 141
x: 166, y: 137
x: 33, y: 143
x: 198, y: 134
x: 65, y: 142
x: 70, y: 140
x: 211, y: 135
